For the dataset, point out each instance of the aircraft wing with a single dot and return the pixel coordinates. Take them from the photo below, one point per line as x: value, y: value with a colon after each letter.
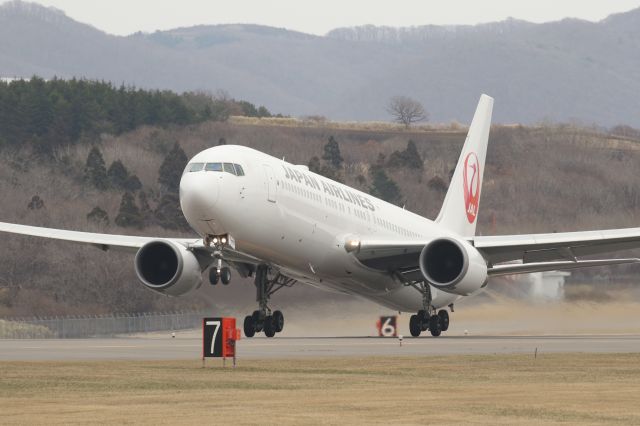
x: 102, y: 241
x: 121, y: 242
x: 507, y: 254
x: 557, y: 246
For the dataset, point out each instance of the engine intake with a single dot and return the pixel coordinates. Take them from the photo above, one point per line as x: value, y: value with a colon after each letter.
x: 451, y: 266
x: 167, y: 268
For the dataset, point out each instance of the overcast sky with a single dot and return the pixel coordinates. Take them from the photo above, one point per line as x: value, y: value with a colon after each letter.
x: 319, y: 16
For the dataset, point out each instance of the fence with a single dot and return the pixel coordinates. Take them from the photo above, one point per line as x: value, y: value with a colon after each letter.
x: 97, y: 326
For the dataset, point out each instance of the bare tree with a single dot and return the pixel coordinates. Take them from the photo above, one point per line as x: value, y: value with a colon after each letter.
x: 406, y: 110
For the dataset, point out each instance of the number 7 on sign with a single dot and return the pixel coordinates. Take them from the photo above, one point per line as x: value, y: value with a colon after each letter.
x: 215, y: 333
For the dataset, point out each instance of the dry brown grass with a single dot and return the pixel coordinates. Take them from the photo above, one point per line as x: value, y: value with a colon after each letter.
x: 493, y: 389
x: 323, y: 123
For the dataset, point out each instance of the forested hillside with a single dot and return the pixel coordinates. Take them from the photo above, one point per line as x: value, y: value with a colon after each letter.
x: 118, y: 179
x: 570, y: 70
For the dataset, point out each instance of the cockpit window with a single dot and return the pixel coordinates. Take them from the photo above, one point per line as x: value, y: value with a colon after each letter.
x: 234, y: 169
x: 228, y: 167
x: 195, y: 167
x: 213, y: 167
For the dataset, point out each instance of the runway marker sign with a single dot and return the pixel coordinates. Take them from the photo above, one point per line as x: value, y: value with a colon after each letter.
x: 387, y: 326
x: 219, y: 336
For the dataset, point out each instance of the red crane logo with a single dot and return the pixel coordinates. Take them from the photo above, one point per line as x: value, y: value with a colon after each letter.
x: 471, y: 182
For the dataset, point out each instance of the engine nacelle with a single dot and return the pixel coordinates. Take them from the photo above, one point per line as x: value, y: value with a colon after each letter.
x: 453, y: 266
x: 167, y: 268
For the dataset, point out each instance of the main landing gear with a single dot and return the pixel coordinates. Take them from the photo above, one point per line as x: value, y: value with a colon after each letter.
x: 264, y: 319
x: 427, y: 318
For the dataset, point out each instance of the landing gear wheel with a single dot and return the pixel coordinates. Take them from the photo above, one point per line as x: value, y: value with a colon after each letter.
x: 225, y: 275
x: 435, y: 326
x: 257, y: 321
x: 424, y: 319
x: 278, y: 321
x: 269, y: 327
x: 444, y: 320
x: 213, y: 276
x: 249, y: 326
x: 415, y: 325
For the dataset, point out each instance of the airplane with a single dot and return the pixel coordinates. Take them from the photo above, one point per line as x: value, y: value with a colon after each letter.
x: 280, y: 224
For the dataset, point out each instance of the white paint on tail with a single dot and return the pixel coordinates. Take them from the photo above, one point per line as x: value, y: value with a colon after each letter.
x: 460, y: 209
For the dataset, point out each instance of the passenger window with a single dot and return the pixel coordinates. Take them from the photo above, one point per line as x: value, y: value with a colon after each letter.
x: 195, y: 167
x: 228, y: 167
x: 239, y: 170
x: 213, y: 167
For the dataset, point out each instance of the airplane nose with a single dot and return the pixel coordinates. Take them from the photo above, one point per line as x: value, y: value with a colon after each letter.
x: 198, y: 194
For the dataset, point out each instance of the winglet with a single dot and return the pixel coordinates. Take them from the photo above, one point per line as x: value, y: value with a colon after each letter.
x: 459, y: 212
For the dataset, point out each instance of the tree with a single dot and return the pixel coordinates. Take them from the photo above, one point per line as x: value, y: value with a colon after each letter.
x: 263, y: 112
x: 384, y: 187
x: 98, y: 216
x: 332, y: 154
x: 168, y: 213
x: 314, y: 165
x: 438, y: 184
x: 145, y: 208
x: 409, y: 158
x: 133, y: 184
x: 95, y: 171
x: 128, y: 214
x: 36, y: 203
x: 118, y: 174
x: 172, y: 167
x: 406, y: 111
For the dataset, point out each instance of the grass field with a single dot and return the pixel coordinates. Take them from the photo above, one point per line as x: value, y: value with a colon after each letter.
x: 495, y: 389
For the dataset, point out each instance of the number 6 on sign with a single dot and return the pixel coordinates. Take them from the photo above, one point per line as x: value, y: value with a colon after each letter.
x: 387, y: 326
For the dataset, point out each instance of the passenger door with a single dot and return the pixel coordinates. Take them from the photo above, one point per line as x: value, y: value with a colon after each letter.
x: 272, y: 184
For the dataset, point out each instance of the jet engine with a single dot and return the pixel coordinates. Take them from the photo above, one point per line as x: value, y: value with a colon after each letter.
x: 168, y: 268
x: 453, y: 266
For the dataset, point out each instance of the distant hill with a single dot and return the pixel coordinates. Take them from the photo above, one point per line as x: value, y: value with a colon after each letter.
x: 569, y: 70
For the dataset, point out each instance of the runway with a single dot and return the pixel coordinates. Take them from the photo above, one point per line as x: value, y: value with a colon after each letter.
x: 189, y: 347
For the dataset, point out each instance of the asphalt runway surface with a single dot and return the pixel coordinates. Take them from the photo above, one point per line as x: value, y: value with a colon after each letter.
x: 168, y: 348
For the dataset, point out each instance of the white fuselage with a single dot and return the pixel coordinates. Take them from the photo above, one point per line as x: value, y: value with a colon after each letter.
x: 298, y: 222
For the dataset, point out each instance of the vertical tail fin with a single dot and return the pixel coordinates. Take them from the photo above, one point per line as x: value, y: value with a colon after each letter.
x: 459, y: 211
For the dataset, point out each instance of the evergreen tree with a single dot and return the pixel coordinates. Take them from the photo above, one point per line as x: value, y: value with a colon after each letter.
x: 409, y: 158
x: 438, y: 184
x: 171, y: 169
x: 95, y: 172
x: 98, y: 216
x: 168, y: 213
x: 36, y: 203
x: 332, y: 154
x: 384, y: 187
x: 413, y: 157
x: 133, y: 184
x: 145, y: 208
x: 263, y: 112
x: 58, y: 133
x: 314, y: 165
x: 128, y: 214
x: 118, y: 175
x: 207, y: 113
